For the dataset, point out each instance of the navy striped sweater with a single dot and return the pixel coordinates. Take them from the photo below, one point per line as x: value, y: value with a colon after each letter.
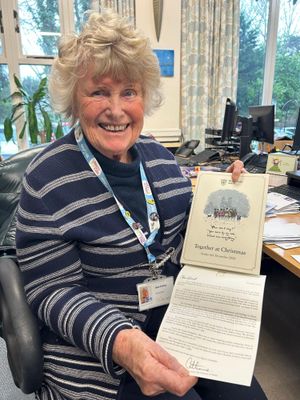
x: 81, y: 262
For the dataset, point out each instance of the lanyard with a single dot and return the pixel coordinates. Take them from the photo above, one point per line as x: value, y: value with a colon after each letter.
x: 152, y: 214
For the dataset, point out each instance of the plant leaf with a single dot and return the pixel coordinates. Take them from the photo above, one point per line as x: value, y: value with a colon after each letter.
x: 12, y: 96
x: 39, y: 94
x: 59, y: 131
x: 13, y: 120
x: 43, y: 83
x: 20, y: 87
x: 41, y: 91
x: 32, y: 123
x: 23, y: 130
x: 15, y: 108
x: 47, y: 125
x: 17, y: 82
x: 8, y: 130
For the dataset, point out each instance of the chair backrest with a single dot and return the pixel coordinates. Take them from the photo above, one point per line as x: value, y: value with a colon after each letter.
x: 19, y: 329
x: 18, y: 326
x: 11, y: 176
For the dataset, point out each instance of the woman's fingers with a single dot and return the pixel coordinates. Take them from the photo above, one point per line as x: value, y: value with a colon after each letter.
x: 152, y: 367
x: 236, y: 168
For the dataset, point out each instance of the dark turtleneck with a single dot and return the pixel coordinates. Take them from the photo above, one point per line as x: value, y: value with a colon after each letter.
x: 125, y: 181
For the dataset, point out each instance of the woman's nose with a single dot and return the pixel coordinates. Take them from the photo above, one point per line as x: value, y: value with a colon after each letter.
x: 115, y: 107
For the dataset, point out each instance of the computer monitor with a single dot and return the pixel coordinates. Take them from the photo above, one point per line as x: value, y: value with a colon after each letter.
x: 263, y: 123
x: 296, y: 142
x: 245, y: 135
x: 229, y: 120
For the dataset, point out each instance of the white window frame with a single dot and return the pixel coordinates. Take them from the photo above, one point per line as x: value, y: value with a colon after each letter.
x: 270, y: 56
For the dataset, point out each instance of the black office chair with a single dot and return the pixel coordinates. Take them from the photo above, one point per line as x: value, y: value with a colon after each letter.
x: 18, y: 326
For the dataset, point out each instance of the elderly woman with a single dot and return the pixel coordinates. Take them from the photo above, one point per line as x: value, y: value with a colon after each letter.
x: 102, y: 210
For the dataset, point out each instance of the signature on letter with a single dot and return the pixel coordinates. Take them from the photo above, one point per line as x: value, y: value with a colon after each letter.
x: 193, y: 364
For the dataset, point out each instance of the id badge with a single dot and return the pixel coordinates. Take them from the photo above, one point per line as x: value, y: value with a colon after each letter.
x: 155, y: 292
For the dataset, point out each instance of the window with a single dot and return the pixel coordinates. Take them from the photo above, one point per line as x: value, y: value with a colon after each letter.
x: 80, y: 7
x: 286, y: 88
x: 39, y: 27
x: 269, y: 62
x: 6, y: 149
x: 4, y: 90
x: 253, y: 36
x: 28, y: 44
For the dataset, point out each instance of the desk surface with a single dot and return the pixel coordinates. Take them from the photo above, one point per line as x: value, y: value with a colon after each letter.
x: 284, y: 257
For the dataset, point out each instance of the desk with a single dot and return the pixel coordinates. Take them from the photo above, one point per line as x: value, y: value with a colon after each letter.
x: 279, y: 144
x: 284, y: 257
x: 172, y: 146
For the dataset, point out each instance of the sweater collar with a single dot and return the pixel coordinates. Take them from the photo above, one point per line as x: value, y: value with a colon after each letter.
x: 114, y: 167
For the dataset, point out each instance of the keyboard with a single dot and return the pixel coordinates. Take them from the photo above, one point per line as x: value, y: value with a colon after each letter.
x: 255, y: 169
x: 257, y: 164
x: 288, y: 190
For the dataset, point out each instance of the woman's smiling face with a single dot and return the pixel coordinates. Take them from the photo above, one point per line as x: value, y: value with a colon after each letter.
x: 111, y: 114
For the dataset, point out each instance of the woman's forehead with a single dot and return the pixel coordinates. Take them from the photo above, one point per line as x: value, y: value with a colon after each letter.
x: 108, y: 80
x: 119, y: 71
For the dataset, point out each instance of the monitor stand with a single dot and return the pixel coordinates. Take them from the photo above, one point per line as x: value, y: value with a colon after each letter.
x: 261, y: 158
x: 262, y: 148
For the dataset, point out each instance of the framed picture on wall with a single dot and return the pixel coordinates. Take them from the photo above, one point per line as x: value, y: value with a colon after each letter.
x: 166, y: 61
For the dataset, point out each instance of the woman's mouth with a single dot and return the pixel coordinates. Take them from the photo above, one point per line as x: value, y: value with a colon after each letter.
x: 114, y: 128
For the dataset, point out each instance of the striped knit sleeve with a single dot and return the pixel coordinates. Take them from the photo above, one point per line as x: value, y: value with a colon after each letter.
x: 55, y: 284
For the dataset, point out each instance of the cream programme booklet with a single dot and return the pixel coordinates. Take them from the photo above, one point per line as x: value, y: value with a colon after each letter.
x: 226, y: 222
x: 213, y: 320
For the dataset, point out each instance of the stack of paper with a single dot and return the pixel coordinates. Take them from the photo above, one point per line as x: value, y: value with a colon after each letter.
x: 278, y: 203
x: 286, y: 235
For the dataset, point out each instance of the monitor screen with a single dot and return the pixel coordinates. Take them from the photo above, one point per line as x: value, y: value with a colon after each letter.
x: 263, y: 123
x: 296, y: 143
x: 229, y: 120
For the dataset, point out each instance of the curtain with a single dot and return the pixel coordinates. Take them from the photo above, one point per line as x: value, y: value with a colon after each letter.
x: 209, y: 63
x: 126, y: 8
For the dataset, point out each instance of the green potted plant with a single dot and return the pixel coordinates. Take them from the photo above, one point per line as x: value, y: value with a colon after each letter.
x: 34, y: 110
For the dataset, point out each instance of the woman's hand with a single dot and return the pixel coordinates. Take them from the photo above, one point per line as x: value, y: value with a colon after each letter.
x: 152, y: 367
x: 236, y: 168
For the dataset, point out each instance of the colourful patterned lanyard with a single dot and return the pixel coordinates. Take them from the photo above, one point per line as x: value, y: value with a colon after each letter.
x: 153, y: 217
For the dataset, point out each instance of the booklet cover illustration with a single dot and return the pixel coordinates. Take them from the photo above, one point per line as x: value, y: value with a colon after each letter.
x: 227, y: 205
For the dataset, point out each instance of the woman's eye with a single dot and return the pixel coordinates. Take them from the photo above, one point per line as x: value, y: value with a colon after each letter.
x: 99, y: 93
x: 129, y: 93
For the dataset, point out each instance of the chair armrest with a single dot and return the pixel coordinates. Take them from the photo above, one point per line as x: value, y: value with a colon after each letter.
x: 20, y: 329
